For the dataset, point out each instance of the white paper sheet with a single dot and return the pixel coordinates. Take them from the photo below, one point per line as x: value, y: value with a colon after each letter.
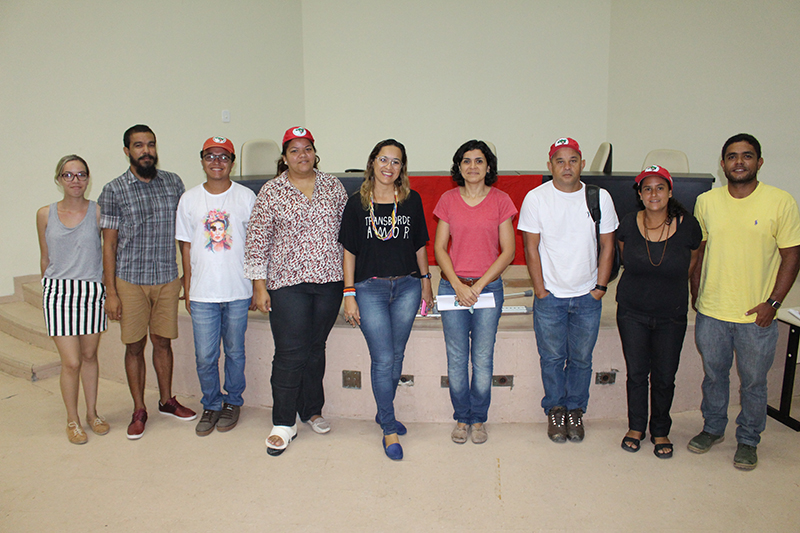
x: 447, y: 302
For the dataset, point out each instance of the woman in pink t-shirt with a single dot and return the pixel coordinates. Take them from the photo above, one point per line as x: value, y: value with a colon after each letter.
x: 476, y: 220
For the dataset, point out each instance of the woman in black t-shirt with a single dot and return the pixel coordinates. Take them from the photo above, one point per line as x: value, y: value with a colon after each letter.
x: 659, y: 251
x: 384, y: 234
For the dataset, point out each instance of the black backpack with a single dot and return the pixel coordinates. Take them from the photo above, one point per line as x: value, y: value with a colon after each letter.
x: 593, y: 203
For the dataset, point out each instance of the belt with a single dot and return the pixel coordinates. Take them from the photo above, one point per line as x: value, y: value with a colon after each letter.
x: 469, y: 282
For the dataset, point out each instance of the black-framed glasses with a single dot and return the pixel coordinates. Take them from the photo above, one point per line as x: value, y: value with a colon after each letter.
x: 69, y: 176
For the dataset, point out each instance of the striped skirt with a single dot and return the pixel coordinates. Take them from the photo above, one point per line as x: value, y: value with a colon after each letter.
x: 73, y: 307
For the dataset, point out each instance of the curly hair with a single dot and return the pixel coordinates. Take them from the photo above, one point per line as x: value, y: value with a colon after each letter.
x: 491, y: 161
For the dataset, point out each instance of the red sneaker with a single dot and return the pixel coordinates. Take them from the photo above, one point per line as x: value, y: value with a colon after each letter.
x: 173, y: 408
x: 136, y: 427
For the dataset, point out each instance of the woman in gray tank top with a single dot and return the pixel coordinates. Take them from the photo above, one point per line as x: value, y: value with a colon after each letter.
x: 73, y: 293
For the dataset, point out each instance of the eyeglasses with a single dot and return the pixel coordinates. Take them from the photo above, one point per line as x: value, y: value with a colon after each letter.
x: 208, y: 158
x: 69, y: 176
x: 394, y: 162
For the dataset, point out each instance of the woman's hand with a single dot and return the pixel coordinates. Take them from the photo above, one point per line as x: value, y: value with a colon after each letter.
x: 261, y: 297
x: 351, y: 314
x: 427, y: 293
x: 465, y: 296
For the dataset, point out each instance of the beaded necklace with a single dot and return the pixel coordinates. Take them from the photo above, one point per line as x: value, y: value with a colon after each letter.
x: 382, y: 236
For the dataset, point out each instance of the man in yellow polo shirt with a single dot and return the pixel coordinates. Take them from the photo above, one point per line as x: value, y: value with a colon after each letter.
x: 749, y: 259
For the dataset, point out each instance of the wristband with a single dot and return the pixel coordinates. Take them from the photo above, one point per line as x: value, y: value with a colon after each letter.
x: 774, y: 303
x: 426, y: 276
x: 600, y: 288
x: 349, y: 291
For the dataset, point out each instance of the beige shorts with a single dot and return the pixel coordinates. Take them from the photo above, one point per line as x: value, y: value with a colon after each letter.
x: 155, y: 306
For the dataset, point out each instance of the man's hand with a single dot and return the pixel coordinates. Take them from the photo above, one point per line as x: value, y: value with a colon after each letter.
x: 765, y: 314
x: 597, y: 294
x: 113, y: 307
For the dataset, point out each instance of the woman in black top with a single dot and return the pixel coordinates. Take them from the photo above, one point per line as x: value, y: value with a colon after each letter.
x: 659, y: 251
x: 384, y: 234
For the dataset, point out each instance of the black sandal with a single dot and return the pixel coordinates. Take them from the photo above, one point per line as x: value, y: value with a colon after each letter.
x: 630, y: 444
x: 666, y: 447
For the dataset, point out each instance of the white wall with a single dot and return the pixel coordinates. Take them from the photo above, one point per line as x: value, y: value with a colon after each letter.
x: 687, y: 75
x: 434, y: 74
x: 76, y: 75
x: 664, y: 74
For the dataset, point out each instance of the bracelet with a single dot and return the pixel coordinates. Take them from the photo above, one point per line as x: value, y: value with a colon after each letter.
x: 775, y: 304
x: 600, y: 288
x: 426, y: 276
x: 349, y: 291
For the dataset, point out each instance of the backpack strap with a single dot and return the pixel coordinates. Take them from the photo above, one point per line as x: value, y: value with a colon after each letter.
x: 593, y: 203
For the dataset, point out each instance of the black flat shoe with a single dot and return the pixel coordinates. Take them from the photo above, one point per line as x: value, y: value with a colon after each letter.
x: 663, y: 450
x: 629, y: 444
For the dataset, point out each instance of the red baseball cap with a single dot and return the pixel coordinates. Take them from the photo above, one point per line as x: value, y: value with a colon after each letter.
x: 297, y: 133
x: 219, y: 142
x: 655, y: 170
x: 564, y: 142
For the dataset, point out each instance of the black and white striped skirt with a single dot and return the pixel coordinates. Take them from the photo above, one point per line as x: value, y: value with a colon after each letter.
x: 73, y: 307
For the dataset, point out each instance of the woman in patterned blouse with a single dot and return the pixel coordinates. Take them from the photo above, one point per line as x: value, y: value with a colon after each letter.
x: 293, y: 256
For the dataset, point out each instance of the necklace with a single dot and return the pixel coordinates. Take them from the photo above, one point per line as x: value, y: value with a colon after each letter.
x: 647, y: 241
x: 659, y: 226
x: 384, y: 236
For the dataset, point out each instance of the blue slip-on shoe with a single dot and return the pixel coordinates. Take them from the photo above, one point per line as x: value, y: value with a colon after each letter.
x: 393, y: 451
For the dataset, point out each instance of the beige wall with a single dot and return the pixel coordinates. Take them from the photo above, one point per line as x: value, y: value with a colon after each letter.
x: 680, y: 74
x: 434, y: 74
x: 687, y: 75
x: 76, y: 74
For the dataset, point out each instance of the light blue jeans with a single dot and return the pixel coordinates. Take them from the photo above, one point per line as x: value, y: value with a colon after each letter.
x: 566, y: 332
x: 388, y: 309
x: 469, y: 337
x: 755, y: 351
x: 210, y: 323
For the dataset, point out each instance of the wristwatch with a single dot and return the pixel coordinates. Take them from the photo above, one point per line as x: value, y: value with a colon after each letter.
x: 774, y: 303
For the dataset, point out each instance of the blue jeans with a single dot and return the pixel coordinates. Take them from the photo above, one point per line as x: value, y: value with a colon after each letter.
x: 210, y: 323
x: 566, y: 332
x: 755, y: 351
x: 302, y: 316
x: 388, y: 309
x: 652, y: 349
x: 471, y: 400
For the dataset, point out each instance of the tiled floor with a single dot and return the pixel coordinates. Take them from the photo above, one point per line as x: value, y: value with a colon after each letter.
x: 172, y: 480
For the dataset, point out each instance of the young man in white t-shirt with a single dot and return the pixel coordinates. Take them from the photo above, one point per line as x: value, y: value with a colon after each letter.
x: 211, y: 226
x: 569, y: 281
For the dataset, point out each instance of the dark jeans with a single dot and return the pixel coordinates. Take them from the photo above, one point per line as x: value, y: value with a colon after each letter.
x: 652, y: 347
x: 301, y: 319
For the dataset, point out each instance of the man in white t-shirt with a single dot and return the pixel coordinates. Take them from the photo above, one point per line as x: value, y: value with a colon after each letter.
x: 569, y: 281
x: 211, y: 226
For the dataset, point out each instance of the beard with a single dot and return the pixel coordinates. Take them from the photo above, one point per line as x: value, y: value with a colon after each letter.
x: 146, y: 169
x: 746, y: 178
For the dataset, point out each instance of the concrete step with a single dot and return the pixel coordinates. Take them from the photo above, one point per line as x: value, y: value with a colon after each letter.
x: 27, y: 361
x: 25, y: 322
x: 32, y: 293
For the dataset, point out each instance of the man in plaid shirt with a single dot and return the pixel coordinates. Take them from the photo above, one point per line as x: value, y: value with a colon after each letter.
x: 139, y: 269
